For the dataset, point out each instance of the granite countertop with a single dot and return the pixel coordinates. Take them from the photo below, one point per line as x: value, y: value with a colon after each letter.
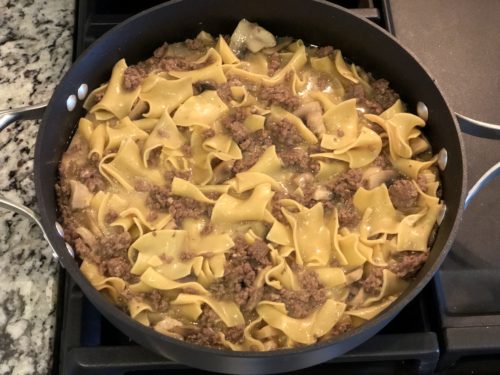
x: 35, y: 50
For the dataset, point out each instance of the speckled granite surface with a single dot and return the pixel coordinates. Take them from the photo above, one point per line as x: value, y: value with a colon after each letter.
x: 35, y: 50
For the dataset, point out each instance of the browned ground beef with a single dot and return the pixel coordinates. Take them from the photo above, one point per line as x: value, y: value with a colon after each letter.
x: 422, y: 182
x: 299, y: 160
x: 403, y: 194
x: 204, y: 336
x: 182, y: 208
x: 158, y: 198
x: 348, y: 214
x: 280, y: 95
x: 208, y: 327
x: 243, y: 263
x: 224, y: 89
x: 344, y: 186
x: 324, y: 51
x: 252, y: 147
x: 88, y: 174
x: 284, y: 133
x: 302, y: 302
x: 276, y: 206
x: 233, y: 124
x: 135, y: 74
x: 382, y: 161
x: 195, y: 44
x: 356, y: 91
x: 156, y: 299
x: 383, y: 94
x: 372, y: 282
x: 408, y: 263
x: 273, y: 63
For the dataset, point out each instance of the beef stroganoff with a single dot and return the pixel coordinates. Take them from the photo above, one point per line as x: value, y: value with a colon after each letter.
x: 248, y: 192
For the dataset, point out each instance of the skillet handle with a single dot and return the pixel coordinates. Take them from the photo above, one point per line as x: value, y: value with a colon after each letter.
x: 482, y: 182
x: 478, y: 128
x: 7, y: 117
x: 32, y: 112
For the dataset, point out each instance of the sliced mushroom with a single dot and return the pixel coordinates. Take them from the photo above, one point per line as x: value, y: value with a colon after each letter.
x: 322, y: 194
x: 80, y: 195
x: 251, y: 36
x: 167, y: 326
x: 375, y: 176
x: 313, y: 115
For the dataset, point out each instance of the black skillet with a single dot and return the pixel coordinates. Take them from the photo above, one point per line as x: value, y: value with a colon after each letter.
x: 316, y: 22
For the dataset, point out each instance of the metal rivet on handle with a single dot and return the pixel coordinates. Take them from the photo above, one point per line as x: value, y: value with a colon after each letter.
x: 422, y: 111
x: 70, y: 250
x: 59, y: 229
x: 82, y: 91
x: 441, y: 215
x: 442, y: 159
x: 71, y: 102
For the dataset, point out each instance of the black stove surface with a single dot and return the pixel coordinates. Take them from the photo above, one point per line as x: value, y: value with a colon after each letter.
x: 453, y: 326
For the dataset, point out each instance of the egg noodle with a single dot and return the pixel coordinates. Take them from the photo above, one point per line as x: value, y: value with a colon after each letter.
x: 223, y: 203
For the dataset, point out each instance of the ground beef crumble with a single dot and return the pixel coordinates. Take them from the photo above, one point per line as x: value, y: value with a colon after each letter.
x: 372, y: 283
x: 407, y: 263
x: 403, y: 194
x: 299, y: 303
x: 243, y: 264
x: 280, y: 95
x: 283, y: 133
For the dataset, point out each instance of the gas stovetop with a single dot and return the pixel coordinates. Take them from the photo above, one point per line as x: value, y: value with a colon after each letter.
x: 453, y: 326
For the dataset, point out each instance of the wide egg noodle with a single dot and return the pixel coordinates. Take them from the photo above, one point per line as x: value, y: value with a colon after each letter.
x: 269, y: 163
x: 211, y: 72
x: 242, y: 98
x: 414, y: 230
x: 186, y: 189
x: 153, y: 279
x: 125, y: 128
x: 111, y: 287
x: 304, y: 331
x: 228, y: 209
x: 152, y: 250
x: 280, y: 114
x: 97, y: 141
x: 164, y: 94
x: 245, y: 181
x: 297, y: 61
x: 382, y: 217
x: 127, y: 165
x: 200, y: 110
x: 117, y: 101
x: 400, y: 128
x: 226, y: 54
x: 165, y: 134
x: 360, y: 153
x: 311, y: 236
x: 342, y: 127
x: 411, y: 167
x: 227, y: 311
x: 139, y: 310
x: 85, y: 128
x: 220, y: 147
x: 281, y: 275
x: 140, y: 213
